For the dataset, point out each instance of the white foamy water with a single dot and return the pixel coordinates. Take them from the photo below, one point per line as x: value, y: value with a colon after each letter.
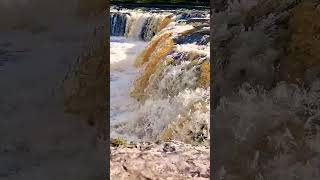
x: 147, y: 121
x: 135, y: 120
x: 122, y: 75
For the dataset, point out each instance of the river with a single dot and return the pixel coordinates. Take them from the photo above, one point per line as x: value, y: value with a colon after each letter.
x: 160, y: 74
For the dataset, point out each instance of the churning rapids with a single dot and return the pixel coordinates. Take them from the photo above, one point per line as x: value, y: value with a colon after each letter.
x: 122, y: 74
x: 160, y: 66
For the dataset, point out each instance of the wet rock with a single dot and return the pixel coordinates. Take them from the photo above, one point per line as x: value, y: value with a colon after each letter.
x: 199, y: 20
x: 200, y: 37
x: 192, y: 15
x: 168, y: 148
x: 187, y: 162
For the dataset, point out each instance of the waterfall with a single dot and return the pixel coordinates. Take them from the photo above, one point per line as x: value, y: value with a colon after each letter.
x: 118, y: 24
x: 141, y: 24
x: 137, y: 25
x: 168, y: 96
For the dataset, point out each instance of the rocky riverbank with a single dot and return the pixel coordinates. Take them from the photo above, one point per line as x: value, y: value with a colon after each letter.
x: 164, y: 160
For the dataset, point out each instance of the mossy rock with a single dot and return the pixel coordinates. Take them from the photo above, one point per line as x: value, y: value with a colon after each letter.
x: 118, y: 142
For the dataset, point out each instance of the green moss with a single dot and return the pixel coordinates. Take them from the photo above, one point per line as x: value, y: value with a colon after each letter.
x: 118, y: 142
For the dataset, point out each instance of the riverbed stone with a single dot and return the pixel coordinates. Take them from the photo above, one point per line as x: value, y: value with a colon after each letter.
x: 167, y: 160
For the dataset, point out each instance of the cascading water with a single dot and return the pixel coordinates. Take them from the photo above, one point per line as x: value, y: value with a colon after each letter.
x: 160, y: 66
x: 137, y: 24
